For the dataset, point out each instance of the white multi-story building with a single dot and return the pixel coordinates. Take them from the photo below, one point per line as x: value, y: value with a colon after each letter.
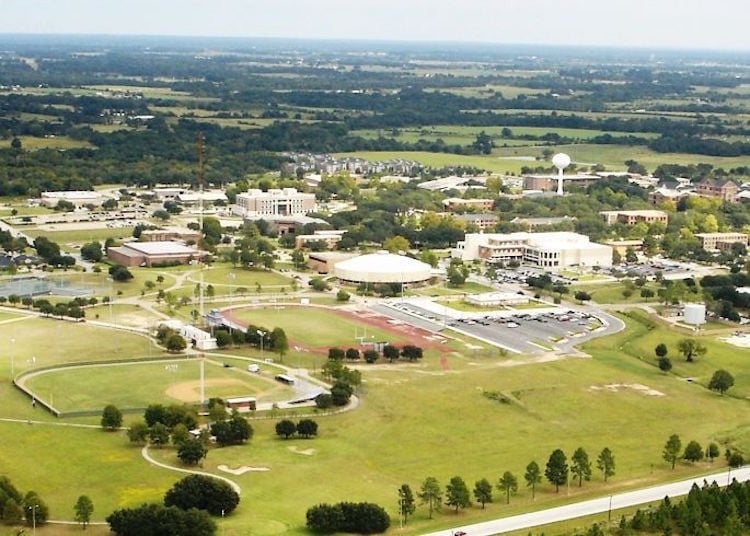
x: 546, y: 250
x: 275, y: 202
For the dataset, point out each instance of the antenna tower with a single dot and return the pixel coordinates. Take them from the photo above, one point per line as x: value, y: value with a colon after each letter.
x: 200, y: 210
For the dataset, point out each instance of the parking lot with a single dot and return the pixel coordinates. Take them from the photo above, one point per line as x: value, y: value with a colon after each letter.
x: 532, y: 332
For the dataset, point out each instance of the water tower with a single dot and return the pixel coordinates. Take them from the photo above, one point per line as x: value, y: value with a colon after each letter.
x: 560, y: 161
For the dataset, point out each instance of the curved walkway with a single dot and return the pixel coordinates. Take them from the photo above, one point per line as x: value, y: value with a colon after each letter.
x: 146, y: 456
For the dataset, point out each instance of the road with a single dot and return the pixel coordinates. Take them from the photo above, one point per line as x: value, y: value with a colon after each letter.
x: 593, y: 506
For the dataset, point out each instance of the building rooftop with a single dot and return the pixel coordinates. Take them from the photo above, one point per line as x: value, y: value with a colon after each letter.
x: 159, y: 248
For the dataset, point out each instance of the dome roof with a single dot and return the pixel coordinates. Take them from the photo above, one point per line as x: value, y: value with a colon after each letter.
x: 382, y: 267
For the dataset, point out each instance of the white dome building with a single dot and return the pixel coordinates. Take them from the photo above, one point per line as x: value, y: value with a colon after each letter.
x: 382, y: 267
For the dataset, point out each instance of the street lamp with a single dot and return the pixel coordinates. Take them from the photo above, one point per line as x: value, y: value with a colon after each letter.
x: 12, y: 359
x: 33, y: 517
x: 262, y: 334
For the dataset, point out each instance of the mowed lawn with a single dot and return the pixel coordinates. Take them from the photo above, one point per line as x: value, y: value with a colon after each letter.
x: 61, y: 463
x: 419, y: 421
x: 313, y: 327
x: 225, y: 277
x: 136, y: 385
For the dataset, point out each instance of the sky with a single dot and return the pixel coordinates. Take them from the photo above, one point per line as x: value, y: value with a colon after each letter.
x: 673, y: 24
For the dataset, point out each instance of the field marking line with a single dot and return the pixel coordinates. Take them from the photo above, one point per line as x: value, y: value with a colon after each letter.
x: 146, y: 456
x: 19, y: 319
x: 47, y: 423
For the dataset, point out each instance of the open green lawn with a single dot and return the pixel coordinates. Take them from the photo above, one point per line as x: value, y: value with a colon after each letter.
x: 611, y: 292
x: 62, y: 463
x: 29, y: 143
x: 225, y: 277
x: 80, y: 236
x: 136, y: 385
x: 311, y: 327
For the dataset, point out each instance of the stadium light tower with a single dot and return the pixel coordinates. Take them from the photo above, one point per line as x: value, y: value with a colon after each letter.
x: 560, y: 161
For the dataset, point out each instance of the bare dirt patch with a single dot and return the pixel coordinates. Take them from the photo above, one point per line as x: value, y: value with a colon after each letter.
x: 304, y: 452
x: 241, y: 470
x: 190, y: 391
x: 616, y: 387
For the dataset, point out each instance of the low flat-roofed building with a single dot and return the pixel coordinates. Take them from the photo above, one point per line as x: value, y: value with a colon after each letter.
x: 552, y: 251
x: 482, y: 221
x: 721, y: 241
x: 632, y: 217
x: 202, y: 340
x: 323, y: 262
x: 79, y: 198
x: 533, y: 223
x: 548, y: 183
x: 330, y: 238
x: 170, y: 234
x: 495, y: 299
x: 151, y: 253
x: 454, y: 204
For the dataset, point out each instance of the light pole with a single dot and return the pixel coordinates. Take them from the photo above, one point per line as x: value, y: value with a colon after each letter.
x: 262, y: 334
x: 12, y: 359
x: 33, y: 517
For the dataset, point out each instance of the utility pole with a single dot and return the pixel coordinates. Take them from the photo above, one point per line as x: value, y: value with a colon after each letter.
x: 200, y: 209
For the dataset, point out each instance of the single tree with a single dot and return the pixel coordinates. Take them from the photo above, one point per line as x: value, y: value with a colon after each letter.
x: 279, y: 342
x: 508, y: 483
x: 406, y: 503
x: 203, y: 492
x: 192, y: 451
x: 457, y: 494
x: 691, y: 349
x: 483, y: 492
x: 158, y: 434
x: 721, y: 381
x: 664, y: 364
x: 111, y: 418
x: 286, y: 428
x: 580, y: 465
x: 672, y: 449
x: 180, y: 434
x: 83, y: 509
x: 430, y: 494
x: 661, y: 350
x: 693, y: 452
x: 35, y: 510
x: 307, y: 428
x: 138, y: 432
x: 557, y: 469
x: 712, y: 451
x: 533, y: 476
x: 606, y: 463
x: 175, y: 343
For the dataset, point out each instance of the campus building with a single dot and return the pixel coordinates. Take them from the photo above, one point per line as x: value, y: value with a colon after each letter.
x: 632, y: 217
x: 153, y: 253
x: 545, y: 250
x: 454, y: 204
x: 721, y: 241
x: 724, y: 189
x: 382, y: 267
x: 170, y: 234
x: 79, y: 198
x: 275, y: 202
x: 330, y: 238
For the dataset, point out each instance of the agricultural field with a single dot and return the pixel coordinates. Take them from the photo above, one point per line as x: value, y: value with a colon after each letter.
x: 30, y: 143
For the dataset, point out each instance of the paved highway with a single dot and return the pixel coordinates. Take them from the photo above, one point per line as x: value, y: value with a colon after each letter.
x: 593, y: 506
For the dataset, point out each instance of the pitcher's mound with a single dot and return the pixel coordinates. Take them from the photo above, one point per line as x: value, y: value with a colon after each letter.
x: 190, y: 391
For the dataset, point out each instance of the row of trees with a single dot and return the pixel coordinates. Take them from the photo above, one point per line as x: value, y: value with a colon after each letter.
x: 306, y: 428
x: 410, y: 352
x: 456, y: 493
x: 185, y: 511
x: 694, y: 452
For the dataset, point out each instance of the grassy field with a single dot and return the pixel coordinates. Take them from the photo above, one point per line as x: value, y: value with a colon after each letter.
x: 311, y: 327
x: 80, y: 236
x: 611, y: 292
x: 140, y: 384
x: 29, y: 143
x: 613, y: 157
x: 225, y: 277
